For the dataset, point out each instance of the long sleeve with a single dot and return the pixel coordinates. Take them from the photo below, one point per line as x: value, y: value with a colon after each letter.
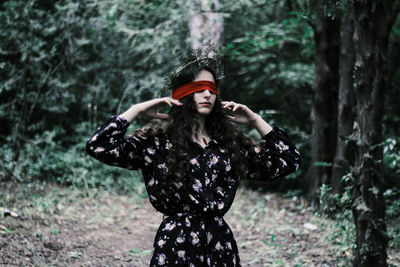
x: 276, y: 156
x: 109, y: 145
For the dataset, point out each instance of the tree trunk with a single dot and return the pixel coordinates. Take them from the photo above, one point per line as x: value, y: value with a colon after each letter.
x: 345, y: 119
x: 205, y: 24
x: 324, y: 108
x: 373, y: 21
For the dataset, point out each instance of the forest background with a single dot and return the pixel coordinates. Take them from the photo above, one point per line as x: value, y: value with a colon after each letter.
x: 327, y: 72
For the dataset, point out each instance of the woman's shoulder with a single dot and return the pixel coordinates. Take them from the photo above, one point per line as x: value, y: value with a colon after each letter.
x: 152, y: 138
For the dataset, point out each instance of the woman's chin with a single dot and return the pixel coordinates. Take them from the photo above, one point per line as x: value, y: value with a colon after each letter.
x: 204, y: 111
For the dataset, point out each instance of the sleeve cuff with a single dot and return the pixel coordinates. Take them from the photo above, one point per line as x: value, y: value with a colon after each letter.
x: 271, y: 133
x: 121, y: 121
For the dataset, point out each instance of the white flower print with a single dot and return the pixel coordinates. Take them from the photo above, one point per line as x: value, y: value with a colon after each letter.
x: 157, y: 141
x: 181, y: 254
x: 218, y: 246
x: 151, y: 182
x: 228, y: 167
x: 115, y: 152
x: 195, y: 238
x: 161, y: 259
x: 228, y: 245
x: 281, y: 146
x: 151, y: 151
x: 94, y: 138
x: 168, y: 145
x: 197, y: 185
x: 220, y: 205
x: 219, y: 220
x: 99, y: 149
x: 213, y: 177
x: 194, y: 162
x: 214, y: 160
x: 209, y: 237
x: 283, y: 162
x: 147, y: 159
x: 193, y: 198
x: 180, y: 239
x: 163, y: 166
x: 220, y: 191
x: 161, y: 242
x: 169, y: 226
x: 187, y: 222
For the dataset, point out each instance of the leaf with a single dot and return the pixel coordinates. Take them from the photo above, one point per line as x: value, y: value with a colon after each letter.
x: 323, y: 164
x: 362, y: 206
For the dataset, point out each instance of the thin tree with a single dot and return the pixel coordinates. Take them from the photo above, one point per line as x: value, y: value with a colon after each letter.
x: 324, y: 107
x: 345, y: 118
x: 205, y: 23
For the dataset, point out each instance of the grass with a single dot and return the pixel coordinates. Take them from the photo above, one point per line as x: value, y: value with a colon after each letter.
x: 269, y: 229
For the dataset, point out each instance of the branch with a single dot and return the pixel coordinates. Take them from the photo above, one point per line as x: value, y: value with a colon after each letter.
x: 130, y: 32
x: 41, y: 87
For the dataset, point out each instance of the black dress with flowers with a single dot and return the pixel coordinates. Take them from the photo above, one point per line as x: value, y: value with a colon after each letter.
x: 193, y: 232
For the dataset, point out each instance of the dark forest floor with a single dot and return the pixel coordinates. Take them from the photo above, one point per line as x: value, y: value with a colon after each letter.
x: 72, y: 227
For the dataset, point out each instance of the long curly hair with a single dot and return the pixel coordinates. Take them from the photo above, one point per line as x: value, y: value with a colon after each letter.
x: 179, y: 130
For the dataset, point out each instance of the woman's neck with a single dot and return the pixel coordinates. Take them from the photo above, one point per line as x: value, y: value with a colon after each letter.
x: 200, y: 131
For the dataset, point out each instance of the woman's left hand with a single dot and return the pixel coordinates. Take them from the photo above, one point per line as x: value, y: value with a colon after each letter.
x: 239, y: 113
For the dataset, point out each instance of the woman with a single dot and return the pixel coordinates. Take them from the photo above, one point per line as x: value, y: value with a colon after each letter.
x: 192, y: 165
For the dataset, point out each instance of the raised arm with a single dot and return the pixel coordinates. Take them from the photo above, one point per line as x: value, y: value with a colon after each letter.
x: 109, y: 145
x: 275, y: 156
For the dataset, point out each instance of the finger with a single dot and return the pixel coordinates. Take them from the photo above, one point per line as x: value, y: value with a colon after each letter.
x: 236, y: 107
x: 232, y: 118
x: 177, y: 102
x: 228, y: 105
x: 162, y: 115
x: 168, y: 102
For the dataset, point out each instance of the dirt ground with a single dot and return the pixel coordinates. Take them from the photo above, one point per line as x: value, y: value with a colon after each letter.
x: 66, y: 227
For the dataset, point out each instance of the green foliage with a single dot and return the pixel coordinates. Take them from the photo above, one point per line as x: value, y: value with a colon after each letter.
x: 67, y: 65
x: 391, y: 161
x: 44, y: 158
x: 192, y: 61
x: 271, y: 57
x: 334, y: 204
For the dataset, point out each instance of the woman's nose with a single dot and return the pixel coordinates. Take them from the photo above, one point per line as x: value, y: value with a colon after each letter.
x: 207, y: 92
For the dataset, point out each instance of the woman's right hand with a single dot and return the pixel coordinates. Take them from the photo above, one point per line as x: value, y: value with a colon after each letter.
x: 150, y: 108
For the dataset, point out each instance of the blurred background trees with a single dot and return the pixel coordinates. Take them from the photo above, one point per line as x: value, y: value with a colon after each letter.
x: 327, y: 72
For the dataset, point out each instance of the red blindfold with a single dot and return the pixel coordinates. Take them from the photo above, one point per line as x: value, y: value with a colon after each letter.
x: 193, y: 87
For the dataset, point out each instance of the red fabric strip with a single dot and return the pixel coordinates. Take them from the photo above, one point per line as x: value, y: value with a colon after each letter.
x: 192, y: 87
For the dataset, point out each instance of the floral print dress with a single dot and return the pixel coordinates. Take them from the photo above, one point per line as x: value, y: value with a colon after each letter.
x: 193, y: 232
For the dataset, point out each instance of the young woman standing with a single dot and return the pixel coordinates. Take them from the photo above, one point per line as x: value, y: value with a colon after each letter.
x: 192, y: 165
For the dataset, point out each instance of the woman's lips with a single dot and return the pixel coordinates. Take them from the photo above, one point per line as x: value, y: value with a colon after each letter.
x: 205, y: 104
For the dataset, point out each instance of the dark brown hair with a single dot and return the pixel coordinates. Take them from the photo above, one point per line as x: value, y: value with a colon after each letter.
x: 179, y: 129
